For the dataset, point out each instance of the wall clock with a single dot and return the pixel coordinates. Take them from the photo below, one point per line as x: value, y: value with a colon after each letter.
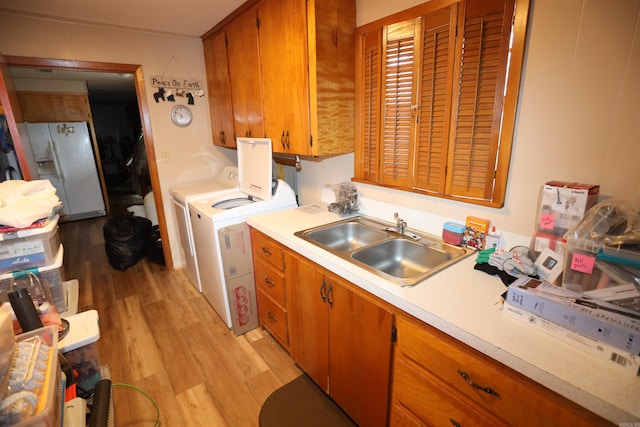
x: 181, y: 115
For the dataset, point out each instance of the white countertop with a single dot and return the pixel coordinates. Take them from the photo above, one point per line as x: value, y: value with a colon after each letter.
x: 466, y: 304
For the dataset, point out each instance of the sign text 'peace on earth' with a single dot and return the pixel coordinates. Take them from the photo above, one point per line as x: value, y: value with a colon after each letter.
x: 171, y: 83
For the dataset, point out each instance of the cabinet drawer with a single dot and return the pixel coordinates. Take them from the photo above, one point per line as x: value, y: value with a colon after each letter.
x: 493, y: 386
x: 268, y: 250
x: 270, y: 280
x: 272, y: 317
x: 418, y: 399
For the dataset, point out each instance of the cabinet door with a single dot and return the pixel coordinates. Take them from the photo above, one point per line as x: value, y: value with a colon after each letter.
x: 310, y: 322
x: 217, y: 66
x: 244, y: 73
x: 359, y: 354
x: 283, y: 58
x: 46, y: 107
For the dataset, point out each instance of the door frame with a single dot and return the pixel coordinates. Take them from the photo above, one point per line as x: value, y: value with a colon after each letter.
x: 14, y: 115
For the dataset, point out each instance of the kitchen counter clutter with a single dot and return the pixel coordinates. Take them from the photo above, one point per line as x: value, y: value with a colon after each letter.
x: 466, y: 304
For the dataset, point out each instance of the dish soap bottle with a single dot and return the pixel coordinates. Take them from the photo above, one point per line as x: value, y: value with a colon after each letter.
x: 493, y: 239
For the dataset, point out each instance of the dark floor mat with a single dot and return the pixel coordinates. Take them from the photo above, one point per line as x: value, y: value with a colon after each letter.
x: 301, y: 403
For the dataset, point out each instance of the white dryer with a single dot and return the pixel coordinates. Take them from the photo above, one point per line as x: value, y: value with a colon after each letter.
x: 257, y: 193
x: 180, y: 196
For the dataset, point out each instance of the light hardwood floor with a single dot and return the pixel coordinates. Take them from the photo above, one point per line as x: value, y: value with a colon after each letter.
x: 159, y: 334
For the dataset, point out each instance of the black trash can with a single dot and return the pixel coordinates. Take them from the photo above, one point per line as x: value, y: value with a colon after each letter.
x: 154, y: 246
x: 126, y: 240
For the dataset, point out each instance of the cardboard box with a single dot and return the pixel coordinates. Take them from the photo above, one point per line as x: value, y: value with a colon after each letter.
x: 564, y: 204
x: 243, y: 303
x: 475, y: 232
x: 237, y: 259
x: 235, y: 250
x: 598, y: 348
x: 607, y: 322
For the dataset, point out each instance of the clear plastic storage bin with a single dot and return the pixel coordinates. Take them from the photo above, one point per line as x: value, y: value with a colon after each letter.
x: 50, y: 277
x: 31, y: 399
x: 29, y: 247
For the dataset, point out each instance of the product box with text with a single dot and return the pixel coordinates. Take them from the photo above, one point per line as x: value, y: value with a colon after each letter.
x: 600, y: 349
x: 475, y: 232
x: 607, y: 322
x: 564, y: 204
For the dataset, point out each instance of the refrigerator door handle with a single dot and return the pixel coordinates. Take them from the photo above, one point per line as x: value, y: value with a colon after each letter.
x: 54, y: 154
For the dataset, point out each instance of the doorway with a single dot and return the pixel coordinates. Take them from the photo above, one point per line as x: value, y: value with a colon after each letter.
x: 114, y: 122
x: 14, y: 115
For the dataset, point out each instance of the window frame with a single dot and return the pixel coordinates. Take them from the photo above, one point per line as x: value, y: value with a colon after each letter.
x: 368, y: 144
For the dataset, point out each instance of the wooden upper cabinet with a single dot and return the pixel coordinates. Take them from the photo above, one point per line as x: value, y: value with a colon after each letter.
x: 54, y: 107
x: 307, y: 53
x: 244, y: 74
x: 219, y: 88
x: 285, y: 85
x: 291, y: 67
x: 331, y: 49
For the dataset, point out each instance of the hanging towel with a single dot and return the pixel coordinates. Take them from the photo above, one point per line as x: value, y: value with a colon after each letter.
x: 24, y: 202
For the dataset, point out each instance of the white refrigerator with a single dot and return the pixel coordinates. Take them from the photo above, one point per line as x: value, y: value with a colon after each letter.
x: 63, y: 154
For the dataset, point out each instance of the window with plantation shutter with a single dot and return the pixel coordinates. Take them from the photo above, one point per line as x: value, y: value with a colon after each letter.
x: 435, y: 100
x: 370, y: 98
x: 449, y: 78
x: 480, y: 90
x: 399, y: 44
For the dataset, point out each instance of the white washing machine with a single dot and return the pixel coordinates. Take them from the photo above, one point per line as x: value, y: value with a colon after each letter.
x: 180, y: 196
x: 257, y: 193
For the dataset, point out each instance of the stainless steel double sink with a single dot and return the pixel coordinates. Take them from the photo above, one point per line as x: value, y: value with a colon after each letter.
x: 405, y: 258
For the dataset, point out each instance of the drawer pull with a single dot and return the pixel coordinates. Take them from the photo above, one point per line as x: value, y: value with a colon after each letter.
x: 454, y: 423
x: 469, y: 381
x: 271, y: 316
x: 266, y: 251
x: 269, y: 281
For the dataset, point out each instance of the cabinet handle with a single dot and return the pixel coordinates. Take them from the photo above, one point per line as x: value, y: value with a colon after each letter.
x: 268, y: 281
x: 248, y: 133
x: 454, y: 423
x: 330, y: 295
x: 266, y: 251
x: 323, y: 290
x: 469, y: 381
x: 415, y: 107
x: 287, y: 140
x: 271, y: 316
x: 222, y: 141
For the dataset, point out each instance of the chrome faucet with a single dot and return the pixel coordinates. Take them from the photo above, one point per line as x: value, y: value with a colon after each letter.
x: 400, y: 223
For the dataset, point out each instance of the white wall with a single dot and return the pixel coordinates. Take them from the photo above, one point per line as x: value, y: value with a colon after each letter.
x: 183, y: 154
x: 578, y: 116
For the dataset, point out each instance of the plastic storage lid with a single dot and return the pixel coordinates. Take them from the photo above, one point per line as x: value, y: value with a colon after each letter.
x: 84, y: 329
x: 34, y: 231
x: 255, y: 167
x: 454, y: 226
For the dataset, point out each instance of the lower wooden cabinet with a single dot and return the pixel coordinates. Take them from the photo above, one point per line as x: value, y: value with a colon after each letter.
x: 269, y: 270
x: 342, y: 339
x: 441, y: 381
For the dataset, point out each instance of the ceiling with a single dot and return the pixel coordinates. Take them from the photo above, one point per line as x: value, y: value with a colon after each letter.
x: 190, y: 18
x: 179, y: 17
